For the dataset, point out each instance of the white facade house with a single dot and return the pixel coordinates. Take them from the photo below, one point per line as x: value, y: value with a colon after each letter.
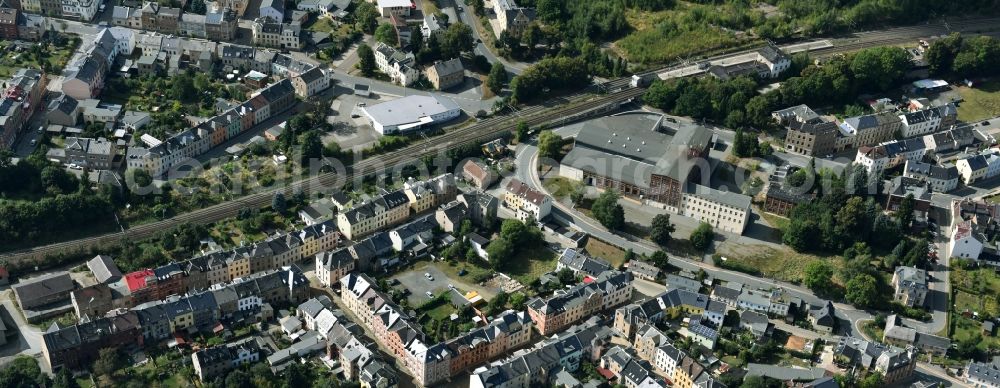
x: 399, y: 66
x: 963, y: 243
x: 726, y: 211
x: 775, y: 60
x: 920, y: 122
x: 986, y: 165
x: 83, y: 10
x: 666, y: 360
x: 323, y: 7
x: 395, y: 7
x: 889, y: 155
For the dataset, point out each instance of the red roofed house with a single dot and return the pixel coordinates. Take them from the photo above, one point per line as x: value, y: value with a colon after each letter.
x: 479, y: 174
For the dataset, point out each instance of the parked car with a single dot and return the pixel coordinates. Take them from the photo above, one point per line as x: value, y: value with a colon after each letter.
x: 429, y: 294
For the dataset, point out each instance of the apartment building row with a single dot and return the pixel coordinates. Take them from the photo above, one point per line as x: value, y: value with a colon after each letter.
x: 381, y: 250
x: 150, y: 323
x: 628, y: 319
x: 84, y: 75
x: 158, y: 158
x: 393, y: 208
x: 324, y: 329
x: 544, y: 363
x: 199, y: 273
x: 567, y: 307
x: 21, y: 98
x: 809, y: 134
x: 82, y: 10
x: 430, y: 363
x: 630, y: 370
x: 217, y: 25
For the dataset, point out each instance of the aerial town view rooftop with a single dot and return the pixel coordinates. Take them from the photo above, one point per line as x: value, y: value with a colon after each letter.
x: 499, y: 193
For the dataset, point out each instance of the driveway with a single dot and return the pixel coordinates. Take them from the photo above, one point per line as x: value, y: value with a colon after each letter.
x: 29, y: 338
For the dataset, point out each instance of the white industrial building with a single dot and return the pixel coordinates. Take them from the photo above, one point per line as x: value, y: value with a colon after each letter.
x: 410, y: 113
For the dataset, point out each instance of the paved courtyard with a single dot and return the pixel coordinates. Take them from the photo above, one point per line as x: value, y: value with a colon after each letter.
x: 415, y: 281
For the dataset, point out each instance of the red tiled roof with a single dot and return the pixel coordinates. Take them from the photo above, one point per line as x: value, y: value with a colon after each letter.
x: 137, y: 280
x: 606, y: 373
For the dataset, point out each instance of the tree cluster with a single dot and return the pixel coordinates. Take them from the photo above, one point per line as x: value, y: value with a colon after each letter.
x: 608, y: 211
x: 704, y: 98
x: 514, y: 236
x: 747, y: 145
x: 366, y: 60
x: 550, y: 145
x: 841, y: 217
x: 702, y: 236
x: 821, y: 17
x: 24, y: 372
x: 366, y: 17
x: 60, y: 202
x: 661, y: 229
x: 838, y: 80
x: 443, y: 45
x: 964, y: 57
x: 560, y: 73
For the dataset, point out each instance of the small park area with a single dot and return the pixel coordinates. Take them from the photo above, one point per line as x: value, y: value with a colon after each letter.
x: 980, y: 102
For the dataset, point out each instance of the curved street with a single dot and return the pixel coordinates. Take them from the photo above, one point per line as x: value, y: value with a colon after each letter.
x: 527, y: 171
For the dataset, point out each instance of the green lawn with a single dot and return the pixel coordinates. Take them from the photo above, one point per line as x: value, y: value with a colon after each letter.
x: 530, y: 263
x: 322, y: 25
x: 776, y: 221
x: 11, y: 61
x: 982, y: 304
x: 967, y: 327
x: 649, y: 44
x: 975, y: 281
x: 873, y: 331
x: 438, y: 309
x: 611, y: 253
x: 560, y: 187
x: 780, y: 264
x: 981, y: 102
x: 472, y: 271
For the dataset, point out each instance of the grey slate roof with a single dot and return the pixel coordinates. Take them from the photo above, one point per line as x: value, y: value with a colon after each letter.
x: 988, y: 373
x: 728, y: 198
x: 104, y: 269
x: 580, y: 262
x: 452, y: 66
x: 43, y: 287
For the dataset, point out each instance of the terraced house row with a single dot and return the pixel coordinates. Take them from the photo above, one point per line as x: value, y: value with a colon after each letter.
x: 199, y: 273
x: 610, y: 289
x: 159, y: 157
x: 547, y: 361
x: 393, y: 208
x: 244, y: 300
x: 431, y: 363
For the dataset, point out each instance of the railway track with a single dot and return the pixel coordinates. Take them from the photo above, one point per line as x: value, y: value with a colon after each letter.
x: 493, y: 127
x: 896, y: 35
x: 485, y: 130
